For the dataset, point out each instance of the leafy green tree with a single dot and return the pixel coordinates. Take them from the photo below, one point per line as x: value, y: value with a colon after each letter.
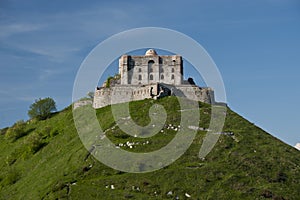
x: 42, y: 108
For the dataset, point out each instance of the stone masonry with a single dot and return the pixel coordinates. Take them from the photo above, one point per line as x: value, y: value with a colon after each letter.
x: 149, y: 76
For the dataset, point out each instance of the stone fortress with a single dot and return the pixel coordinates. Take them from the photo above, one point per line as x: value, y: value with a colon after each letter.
x: 149, y: 76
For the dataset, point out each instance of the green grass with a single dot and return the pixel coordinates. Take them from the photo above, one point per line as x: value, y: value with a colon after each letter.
x: 48, y: 161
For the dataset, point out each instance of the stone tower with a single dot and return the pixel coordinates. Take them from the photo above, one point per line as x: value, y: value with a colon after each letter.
x: 151, y: 68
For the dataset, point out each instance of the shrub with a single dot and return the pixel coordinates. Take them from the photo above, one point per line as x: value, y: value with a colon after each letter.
x: 108, y: 81
x: 46, y: 131
x: 3, y: 131
x: 16, y: 131
x: 54, y: 132
x: 11, y: 159
x: 12, y: 177
x: 35, y: 142
x: 59, y: 185
x: 13, y: 156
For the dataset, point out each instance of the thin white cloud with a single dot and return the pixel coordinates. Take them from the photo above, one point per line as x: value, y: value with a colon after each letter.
x: 54, y: 52
x: 49, y: 73
x: 60, y: 36
x: 17, y: 28
x: 26, y: 98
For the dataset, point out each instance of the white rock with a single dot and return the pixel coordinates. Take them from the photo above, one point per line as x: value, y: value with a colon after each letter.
x: 102, y: 137
x: 193, y: 127
x: 297, y: 146
x: 130, y: 147
x: 187, y: 195
x: 112, y: 187
x: 169, y: 193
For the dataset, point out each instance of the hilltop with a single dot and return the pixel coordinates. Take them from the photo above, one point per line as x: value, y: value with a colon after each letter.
x: 46, y: 160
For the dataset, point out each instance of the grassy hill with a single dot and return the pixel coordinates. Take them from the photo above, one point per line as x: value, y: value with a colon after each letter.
x: 46, y: 160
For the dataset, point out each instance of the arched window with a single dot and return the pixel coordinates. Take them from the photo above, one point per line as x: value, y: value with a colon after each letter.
x: 140, y: 70
x: 172, y: 77
x: 140, y: 77
x: 173, y: 70
x: 162, y: 77
x: 150, y: 65
x: 151, y: 77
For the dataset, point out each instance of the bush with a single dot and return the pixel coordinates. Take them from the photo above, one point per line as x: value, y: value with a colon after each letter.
x: 3, y: 131
x: 59, y: 185
x: 46, y: 131
x: 54, y: 132
x: 16, y: 131
x: 12, y: 177
x: 108, y: 81
x: 42, y: 108
x: 35, y: 142
x: 11, y: 159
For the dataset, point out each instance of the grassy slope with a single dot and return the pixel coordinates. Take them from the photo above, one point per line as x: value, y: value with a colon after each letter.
x: 251, y: 165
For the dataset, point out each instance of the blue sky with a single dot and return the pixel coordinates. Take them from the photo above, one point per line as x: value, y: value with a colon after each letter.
x: 255, y: 45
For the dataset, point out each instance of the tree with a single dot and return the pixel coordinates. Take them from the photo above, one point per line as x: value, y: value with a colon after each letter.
x: 42, y: 108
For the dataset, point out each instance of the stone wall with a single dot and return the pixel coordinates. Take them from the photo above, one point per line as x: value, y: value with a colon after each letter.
x: 143, y: 70
x: 123, y: 93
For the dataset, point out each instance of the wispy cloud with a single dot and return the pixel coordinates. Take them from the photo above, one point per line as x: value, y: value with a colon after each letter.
x: 26, y: 98
x: 48, y: 73
x: 17, y: 28
x: 64, y: 34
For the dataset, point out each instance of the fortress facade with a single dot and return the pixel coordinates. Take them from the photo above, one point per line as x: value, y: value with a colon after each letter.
x: 149, y: 76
